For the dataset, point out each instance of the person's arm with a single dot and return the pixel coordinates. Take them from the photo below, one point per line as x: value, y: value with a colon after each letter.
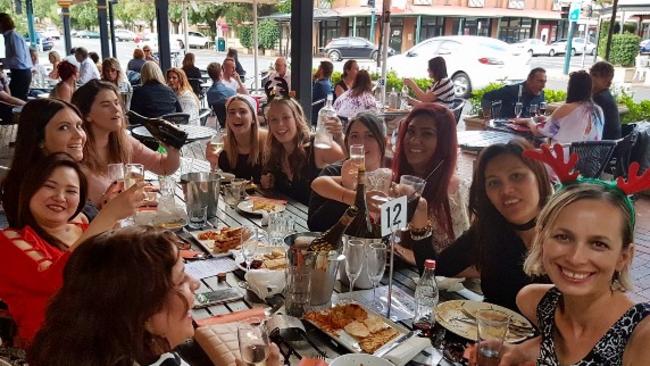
x: 11, y: 51
x: 420, y: 95
x: 324, y: 157
x: 8, y: 99
x: 612, y: 128
x: 528, y: 298
x: 456, y: 260
x: 637, y: 351
x: 330, y: 187
x: 162, y: 164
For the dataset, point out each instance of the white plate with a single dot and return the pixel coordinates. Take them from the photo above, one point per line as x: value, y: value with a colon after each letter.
x: 261, y: 250
x: 208, y: 245
x: 448, y: 314
x: 359, y: 359
x: 247, y: 207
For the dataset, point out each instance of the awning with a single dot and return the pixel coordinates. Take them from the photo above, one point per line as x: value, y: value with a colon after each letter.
x: 454, y: 11
x: 319, y: 14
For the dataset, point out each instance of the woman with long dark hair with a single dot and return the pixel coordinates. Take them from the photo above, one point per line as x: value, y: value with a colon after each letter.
x: 358, y: 99
x: 34, y: 250
x: 427, y: 148
x: 442, y: 90
x: 101, y: 107
x: 578, y: 119
x: 350, y: 70
x: 141, y: 264
x: 507, y: 193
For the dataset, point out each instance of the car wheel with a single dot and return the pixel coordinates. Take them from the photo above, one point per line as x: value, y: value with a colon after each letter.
x: 551, y: 53
x: 373, y: 55
x: 531, y: 53
x: 334, y: 55
x: 573, y: 52
x: 462, y: 85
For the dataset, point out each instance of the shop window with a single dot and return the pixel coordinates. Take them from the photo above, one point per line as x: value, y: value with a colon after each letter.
x: 475, y: 3
x: 516, y: 4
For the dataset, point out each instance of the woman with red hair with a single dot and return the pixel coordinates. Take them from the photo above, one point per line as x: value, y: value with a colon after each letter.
x: 66, y: 87
x: 427, y: 147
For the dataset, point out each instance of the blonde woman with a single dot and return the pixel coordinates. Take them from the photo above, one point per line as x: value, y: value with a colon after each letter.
x: 112, y: 72
x: 291, y: 161
x: 244, y: 144
x: 177, y: 80
x: 154, y: 98
x: 101, y: 108
x: 55, y: 59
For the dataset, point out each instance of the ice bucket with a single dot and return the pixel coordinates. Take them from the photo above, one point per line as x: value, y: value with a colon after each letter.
x: 203, y: 188
x: 324, y: 265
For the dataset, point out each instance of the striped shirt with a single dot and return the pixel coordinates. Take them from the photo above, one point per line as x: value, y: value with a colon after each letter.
x: 443, y: 89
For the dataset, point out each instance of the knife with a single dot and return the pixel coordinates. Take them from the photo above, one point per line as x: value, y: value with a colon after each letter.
x: 392, y: 345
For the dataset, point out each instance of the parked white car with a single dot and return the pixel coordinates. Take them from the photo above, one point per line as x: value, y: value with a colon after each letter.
x: 578, y: 44
x: 533, y: 46
x: 52, y: 33
x: 472, y: 62
x: 151, y: 40
x: 195, y: 39
x: 124, y: 35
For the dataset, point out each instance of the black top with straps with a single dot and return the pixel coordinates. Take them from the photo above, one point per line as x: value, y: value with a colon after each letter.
x: 609, y: 349
x: 300, y: 187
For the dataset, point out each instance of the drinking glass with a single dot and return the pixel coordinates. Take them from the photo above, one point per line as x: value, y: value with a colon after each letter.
x: 519, y: 107
x: 492, y: 327
x: 250, y: 240
x: 116, y: 172
x: 495, y: 110
x: 354, y: 257
x: 376, y: 262
x: 280, y: 225
x: 532, y: 110
x: 358, y: 155
x: 198, y: 215
x: 297, y: 290
x: 216, y: 143
x: 412, y: 187
x: 253, y: 344
x: 542, y: 108
x: 380, y: 180
x: 133, y: 174
x: 232, y: 193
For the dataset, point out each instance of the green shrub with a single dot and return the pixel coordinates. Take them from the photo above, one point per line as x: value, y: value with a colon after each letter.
x: 477, y: 96
x: 392, y: 81
x: 602, y: 38
x: 551, y: 96
x: 268, y: 34
x: 625, y: 48
x: 246, y: 36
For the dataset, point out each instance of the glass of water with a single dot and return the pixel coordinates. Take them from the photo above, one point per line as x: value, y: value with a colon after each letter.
x: 280, y: 225
x: 519, y: 108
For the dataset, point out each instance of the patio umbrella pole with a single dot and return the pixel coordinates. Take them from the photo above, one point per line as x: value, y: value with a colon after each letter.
x: 384, y: 50
x: 255, y: 42
x: 186, y: 35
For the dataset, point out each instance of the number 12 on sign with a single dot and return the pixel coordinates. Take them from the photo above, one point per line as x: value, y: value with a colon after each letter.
x: 393, y: 215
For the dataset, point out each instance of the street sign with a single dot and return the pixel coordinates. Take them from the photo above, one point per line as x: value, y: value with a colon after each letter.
x: 574, y: 12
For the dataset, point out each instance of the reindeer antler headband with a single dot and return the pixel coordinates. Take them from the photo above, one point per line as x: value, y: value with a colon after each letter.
x: 568, y: 175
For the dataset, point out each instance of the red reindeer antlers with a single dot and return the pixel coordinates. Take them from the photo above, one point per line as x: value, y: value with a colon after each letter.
x: 565, y: 171
x: 635, y: 183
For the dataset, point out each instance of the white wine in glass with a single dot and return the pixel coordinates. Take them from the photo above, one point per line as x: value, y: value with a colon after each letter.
x: 253, y: 344
x: 133, y: 175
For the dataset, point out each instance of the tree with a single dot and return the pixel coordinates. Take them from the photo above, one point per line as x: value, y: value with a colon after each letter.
x: 176, y: 16
x: 269, y: 34
x: 284, y: 6
x: 207, y: 13
x: 127, y: 12
x: 84, y: 15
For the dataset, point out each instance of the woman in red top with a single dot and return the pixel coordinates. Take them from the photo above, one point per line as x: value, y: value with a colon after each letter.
x: 48, y: 227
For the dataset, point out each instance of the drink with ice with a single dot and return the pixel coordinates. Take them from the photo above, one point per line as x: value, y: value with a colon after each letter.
x: 323, y: 139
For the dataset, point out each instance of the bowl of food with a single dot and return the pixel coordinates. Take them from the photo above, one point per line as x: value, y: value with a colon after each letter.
x: 359, y: 359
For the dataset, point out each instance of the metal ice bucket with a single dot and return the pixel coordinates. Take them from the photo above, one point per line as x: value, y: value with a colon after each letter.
x: 201, y: 187
x: 324, y: 266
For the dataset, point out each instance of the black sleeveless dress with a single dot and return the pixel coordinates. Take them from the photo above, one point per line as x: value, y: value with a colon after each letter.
x: 609, y: 349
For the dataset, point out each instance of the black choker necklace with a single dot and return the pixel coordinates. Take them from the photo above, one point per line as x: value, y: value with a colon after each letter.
x: 524, y: 227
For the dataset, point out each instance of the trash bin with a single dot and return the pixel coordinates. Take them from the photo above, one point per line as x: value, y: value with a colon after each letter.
x: 221, y: 44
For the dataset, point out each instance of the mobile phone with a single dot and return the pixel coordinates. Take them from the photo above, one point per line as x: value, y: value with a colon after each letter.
x: 216, y: 297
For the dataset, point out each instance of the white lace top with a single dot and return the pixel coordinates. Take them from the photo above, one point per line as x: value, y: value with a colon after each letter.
x: 190, y: 105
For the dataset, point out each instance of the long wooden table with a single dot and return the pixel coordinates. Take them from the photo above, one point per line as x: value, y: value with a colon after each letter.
x: 404, y: 278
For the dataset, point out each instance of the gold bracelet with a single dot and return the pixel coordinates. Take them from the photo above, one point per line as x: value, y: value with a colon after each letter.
x: 422, y: 233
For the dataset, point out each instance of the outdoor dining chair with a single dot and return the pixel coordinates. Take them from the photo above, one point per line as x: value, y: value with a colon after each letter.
x: 593, y: 156
x: 177, y: 118
x: 456, y: 107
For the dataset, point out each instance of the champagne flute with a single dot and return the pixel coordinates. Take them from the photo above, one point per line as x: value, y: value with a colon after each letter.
x: 358, y: 155
x: 253, y: 344
x: 216, y: 143
x: 519, y: 108
x: 354, y: 257
x: 376, y: 262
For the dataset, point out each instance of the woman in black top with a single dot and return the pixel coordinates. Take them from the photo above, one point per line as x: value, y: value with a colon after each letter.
x: 332, y: 191
x: 232, y: 53
x: 291, y: 161
x: 508, y: 191
x: 244, y: 142
x: 193, y: 73
x: 350, y: 70
x: 153, y: 98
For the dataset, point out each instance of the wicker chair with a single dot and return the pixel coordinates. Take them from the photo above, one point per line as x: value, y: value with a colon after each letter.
x: 593, y: 156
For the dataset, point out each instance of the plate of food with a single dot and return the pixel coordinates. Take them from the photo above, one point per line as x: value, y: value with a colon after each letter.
x: 459, y: 317
x: 355, y: 327
x: 219, y: 242
x: 255, y: 205
x: 273, y: 258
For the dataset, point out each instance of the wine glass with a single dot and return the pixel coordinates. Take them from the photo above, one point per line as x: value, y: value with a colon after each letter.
x: 532, y: 110
x: 542, y: 108
x: 358, y: 155
x: 519, y: 107
x: 216, y: 143
x: 253, y: 344
x: 250, y: 239
x: 354, y: 257
x: 134, y: 173
x: 376, y: 262
x: 412, y: 187
x: 116, y: 172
